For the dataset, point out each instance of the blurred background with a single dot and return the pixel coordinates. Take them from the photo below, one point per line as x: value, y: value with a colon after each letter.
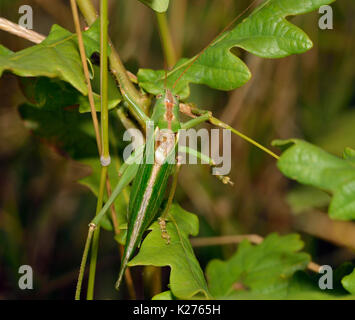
x: 44, y: 213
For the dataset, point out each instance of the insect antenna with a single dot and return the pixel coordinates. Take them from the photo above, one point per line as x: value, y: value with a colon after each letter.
x: 215, y: 38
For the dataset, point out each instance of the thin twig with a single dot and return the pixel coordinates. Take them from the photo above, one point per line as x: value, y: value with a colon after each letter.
x: 318, y: 224
x: 86, y: 73
x: 21, y: 32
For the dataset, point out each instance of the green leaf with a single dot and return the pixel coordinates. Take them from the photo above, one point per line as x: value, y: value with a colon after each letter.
x: 114, y: 95
x: 305, y: 287
x: 265, y: 33
x: 42, y: 90
x: 305, y: 198
x: 310, y: 165
x: 301, y: 286
x: 264, y: 269
x: 55, y: 57
x: 166, y: 295
x: 348, y: 282
x: 157, y: 5
x: 186, y: 277
x: 64, y: 128
x: 5, y: 51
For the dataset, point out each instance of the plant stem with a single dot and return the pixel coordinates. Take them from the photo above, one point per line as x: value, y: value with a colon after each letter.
x: 99, y: 146
x: 105, y: 155
x: 83, y: 261
x: 130, y: 93
x: 21, y: 32
x: 95, y: 243
x: 86, y: 73
x: 166, y: 40
x: 127, y: 122
x: 90, y: 15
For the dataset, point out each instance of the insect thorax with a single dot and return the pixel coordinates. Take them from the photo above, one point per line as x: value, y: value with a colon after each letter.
x: 166, y: 112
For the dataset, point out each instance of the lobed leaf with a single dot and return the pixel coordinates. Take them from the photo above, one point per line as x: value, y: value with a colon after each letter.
x: 310, y: 165
x: 55, y: 57
x: 265, y: 33
x: 5, y: 51
x: 42, y: 90
x: 186, y: 277
x: 265, y: 269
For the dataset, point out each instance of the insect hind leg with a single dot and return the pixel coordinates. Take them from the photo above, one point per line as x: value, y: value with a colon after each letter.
x: 164, y: 232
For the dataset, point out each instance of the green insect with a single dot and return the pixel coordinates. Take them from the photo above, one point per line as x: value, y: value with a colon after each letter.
x: 150, y: 178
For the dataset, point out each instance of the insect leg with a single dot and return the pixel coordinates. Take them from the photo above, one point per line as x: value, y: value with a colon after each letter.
x: 206, y: 159
x: 192, y: 111
x: 126, y: 178
x: 196, y: 121
x: 133, y: 158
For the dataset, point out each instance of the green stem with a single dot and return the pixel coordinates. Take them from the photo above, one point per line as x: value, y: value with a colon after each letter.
x: 167, y: 42
x: 129, y: 91
x: 105, y: 155
x: 95, y: 243
x: 86, y: 73
x: 83, y: 261
x: 127, y: 122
